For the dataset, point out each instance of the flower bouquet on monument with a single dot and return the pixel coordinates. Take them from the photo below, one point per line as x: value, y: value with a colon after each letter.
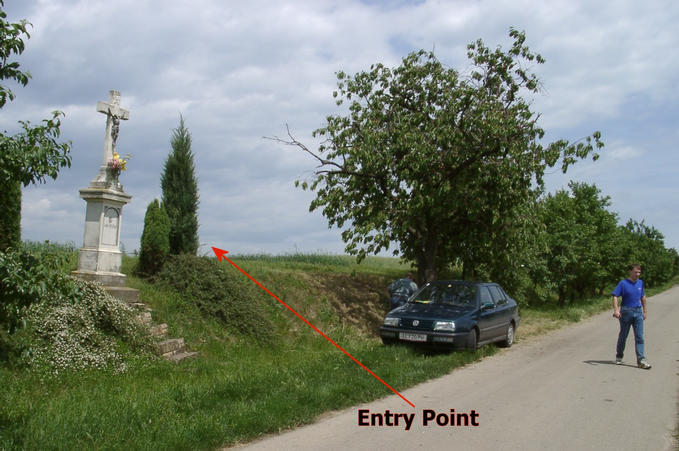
x: 116, y: 165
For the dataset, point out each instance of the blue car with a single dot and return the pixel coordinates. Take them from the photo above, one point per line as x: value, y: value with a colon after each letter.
x: 456, y: 314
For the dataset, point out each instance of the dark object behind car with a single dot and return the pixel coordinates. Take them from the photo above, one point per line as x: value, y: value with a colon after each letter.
x: 455, y: 314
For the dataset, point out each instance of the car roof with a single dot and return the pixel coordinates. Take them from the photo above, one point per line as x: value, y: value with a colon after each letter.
x: 472, y: 282
x: 460, y: 282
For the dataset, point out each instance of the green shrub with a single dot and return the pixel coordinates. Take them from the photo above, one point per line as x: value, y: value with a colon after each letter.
x: 50, y: 321
x: 220, y: 292
x: 155, y: 240
x: 85, y: 329
x: 25, y: 277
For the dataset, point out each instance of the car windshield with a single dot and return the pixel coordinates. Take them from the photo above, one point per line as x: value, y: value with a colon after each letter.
x: 455, y: 294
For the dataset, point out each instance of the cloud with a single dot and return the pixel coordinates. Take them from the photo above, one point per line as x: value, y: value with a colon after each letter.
x: 622, y: 152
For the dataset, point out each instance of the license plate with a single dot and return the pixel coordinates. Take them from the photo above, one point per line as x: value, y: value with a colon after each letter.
x: 412, y: 337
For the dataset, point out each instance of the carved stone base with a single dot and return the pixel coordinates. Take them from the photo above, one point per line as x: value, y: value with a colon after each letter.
x: 100, y: 257
x: 103, y: 261
x: 107, y: 279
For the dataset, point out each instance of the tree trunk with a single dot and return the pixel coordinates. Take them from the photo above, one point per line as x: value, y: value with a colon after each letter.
x: 562, y: 296
x: 468, y: 270
x: 426, y: 264
x: 10, y: 219
x: 426, y: 271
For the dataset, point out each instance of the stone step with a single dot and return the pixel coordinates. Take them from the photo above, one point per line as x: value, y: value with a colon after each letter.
x: 178, y: 357
x: 172, y: 349
x: 170, y: 346
x: 159, y: 331
x: 140, y: 306
x: 145, y: 318
x: 129, y: 295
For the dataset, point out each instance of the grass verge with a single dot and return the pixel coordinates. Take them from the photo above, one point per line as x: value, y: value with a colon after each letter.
x: 239, y: 389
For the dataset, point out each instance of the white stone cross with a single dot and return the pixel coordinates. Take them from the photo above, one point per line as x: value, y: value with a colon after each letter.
x: 113, y: 114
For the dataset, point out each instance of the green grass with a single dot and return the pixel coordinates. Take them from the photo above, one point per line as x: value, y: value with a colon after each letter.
x: 342, y: 264
x: 230, y: 394
x: 239, y: 390
x: 313, y: 259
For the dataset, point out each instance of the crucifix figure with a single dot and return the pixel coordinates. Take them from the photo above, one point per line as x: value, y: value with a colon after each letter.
x: 114, y: 114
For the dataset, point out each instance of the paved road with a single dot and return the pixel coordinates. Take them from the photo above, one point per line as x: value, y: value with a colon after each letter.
x: 558, y: 392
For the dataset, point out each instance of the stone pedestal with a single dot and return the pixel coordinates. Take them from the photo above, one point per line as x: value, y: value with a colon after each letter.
x: 100, y: 257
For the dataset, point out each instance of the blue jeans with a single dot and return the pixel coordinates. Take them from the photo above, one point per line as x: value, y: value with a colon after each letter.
x: 631, y: 317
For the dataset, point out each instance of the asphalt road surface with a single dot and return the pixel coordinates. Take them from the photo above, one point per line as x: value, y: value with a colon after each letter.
x: 561, y: 391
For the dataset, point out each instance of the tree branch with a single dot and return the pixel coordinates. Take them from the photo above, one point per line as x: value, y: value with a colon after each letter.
x: 294, y: 142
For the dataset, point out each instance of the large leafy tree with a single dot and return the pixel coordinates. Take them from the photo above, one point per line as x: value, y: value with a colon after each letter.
x: 180, y: 193
x: 31, y: 155
x: 438, y: 163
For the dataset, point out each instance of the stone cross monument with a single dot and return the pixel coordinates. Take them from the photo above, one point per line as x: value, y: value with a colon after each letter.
x: 100, y: 257
x: 114, y: 114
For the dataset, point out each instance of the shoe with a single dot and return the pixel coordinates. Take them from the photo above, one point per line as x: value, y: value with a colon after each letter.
x: 643, y: 364
x: 618, y: 361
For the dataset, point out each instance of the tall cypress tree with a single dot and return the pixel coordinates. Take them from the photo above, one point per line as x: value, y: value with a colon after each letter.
x: 180, y: 193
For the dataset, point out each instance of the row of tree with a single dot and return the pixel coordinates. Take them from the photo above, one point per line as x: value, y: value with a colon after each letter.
x: 578, y: 249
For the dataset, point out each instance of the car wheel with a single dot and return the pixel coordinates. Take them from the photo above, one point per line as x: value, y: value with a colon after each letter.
x: 472, y: 342
x: 509, y: 336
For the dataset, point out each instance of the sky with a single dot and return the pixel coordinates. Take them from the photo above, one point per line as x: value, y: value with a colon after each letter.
x: 241, y: 71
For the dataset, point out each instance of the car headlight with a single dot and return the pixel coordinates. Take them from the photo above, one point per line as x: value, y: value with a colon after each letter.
x: 446, y: 326
x: 391, y: 321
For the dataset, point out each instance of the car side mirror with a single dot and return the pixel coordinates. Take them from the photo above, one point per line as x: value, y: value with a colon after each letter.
x: 487, y: 306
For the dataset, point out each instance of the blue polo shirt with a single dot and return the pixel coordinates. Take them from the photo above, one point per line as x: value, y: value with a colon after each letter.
x: 631, y: 292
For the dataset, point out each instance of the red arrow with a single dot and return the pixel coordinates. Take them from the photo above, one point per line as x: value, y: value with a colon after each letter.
x: 221, y: 254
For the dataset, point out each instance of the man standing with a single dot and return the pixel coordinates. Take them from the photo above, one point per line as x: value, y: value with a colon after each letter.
x: 400, y: 290
x: 632, y: 313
